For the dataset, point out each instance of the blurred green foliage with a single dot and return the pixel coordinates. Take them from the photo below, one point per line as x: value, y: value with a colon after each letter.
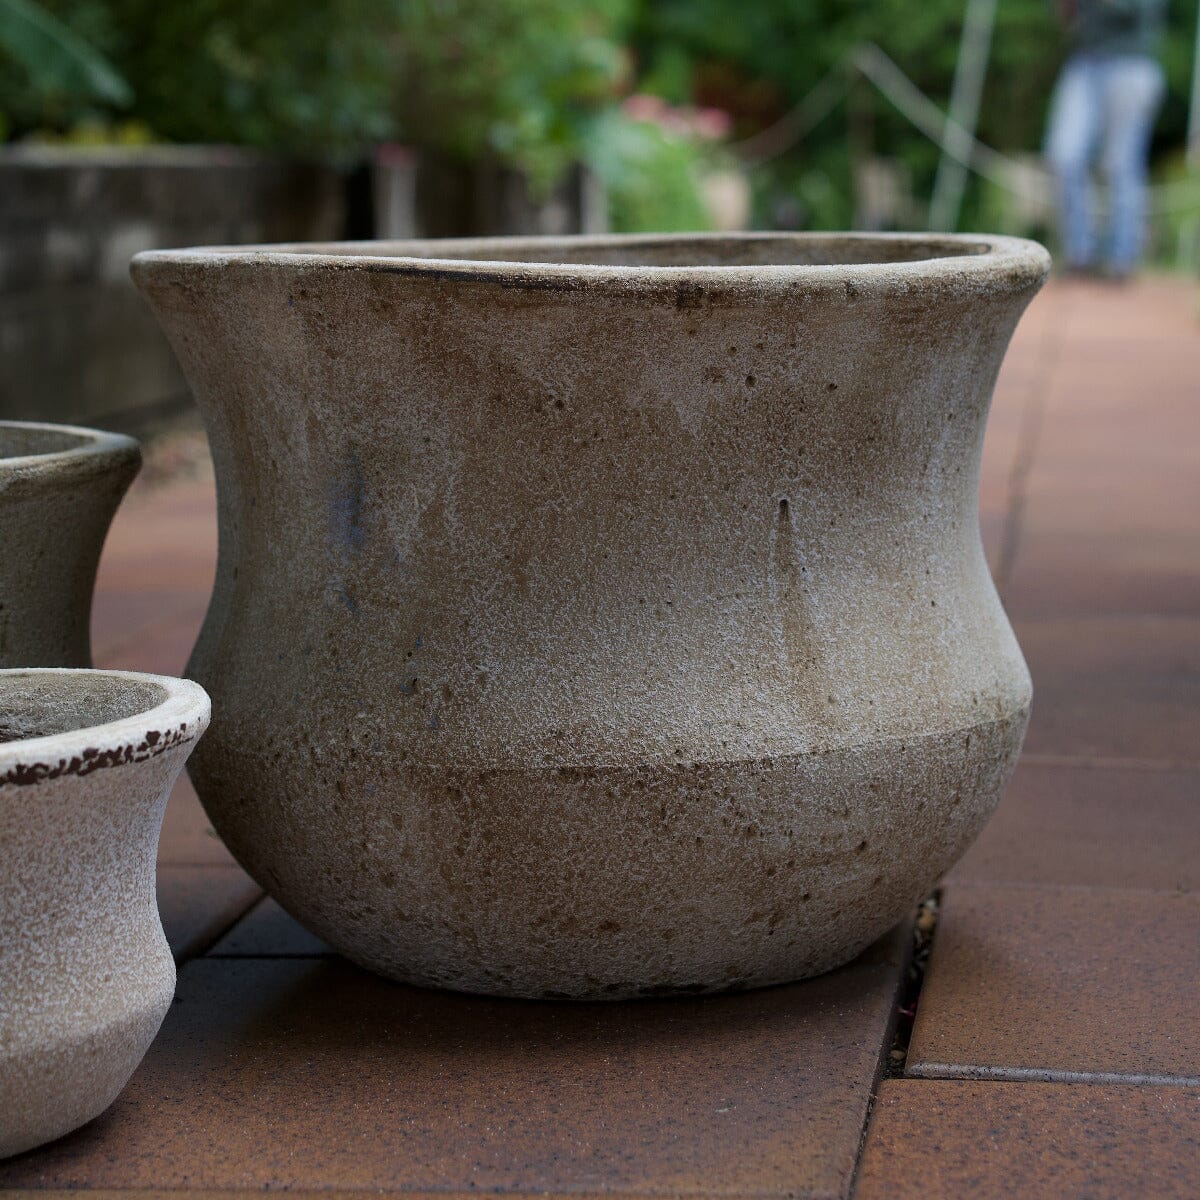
x: 515, y: 80
x: 55, y: 61
x: 311, y: 79
x: 537, y: 85
x: 651, y: 176
x: 758, y: 57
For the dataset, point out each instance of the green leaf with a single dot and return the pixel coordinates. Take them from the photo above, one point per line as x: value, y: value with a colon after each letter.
x: 57, y: 60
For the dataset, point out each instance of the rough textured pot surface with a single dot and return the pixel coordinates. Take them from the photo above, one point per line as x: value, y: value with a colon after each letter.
x: 59, y: 488
x: 601, y: 617
x: 86, y: 761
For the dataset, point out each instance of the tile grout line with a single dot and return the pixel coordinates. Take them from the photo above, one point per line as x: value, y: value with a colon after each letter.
x: 255, y: 905
x: 1046, y: 1075
x: 1094, y: 762
x: 975, y: 883
x: 906, y: 996
x: 204, y: 944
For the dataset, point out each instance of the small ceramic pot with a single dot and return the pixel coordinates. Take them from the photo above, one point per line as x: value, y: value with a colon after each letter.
x: 59, y: 488
x: 601, y: 617
x: 87, y: 759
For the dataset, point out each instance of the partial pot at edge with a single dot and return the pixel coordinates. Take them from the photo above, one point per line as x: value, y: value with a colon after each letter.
x: 59, y: 488
x: 87, y: 759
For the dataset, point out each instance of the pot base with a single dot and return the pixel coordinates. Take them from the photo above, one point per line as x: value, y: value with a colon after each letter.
x: 57, y: 1087
x: 514, y: 882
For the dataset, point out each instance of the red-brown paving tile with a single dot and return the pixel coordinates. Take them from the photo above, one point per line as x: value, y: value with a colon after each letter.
x: 266, y: 931
x: 1114, y: 529
x: 962, y: 1140
x: 1086, y: 826
x: 158, y: 535
x: 198, y: 904
x: 1116, y: 426
x: 158, y: 563
x: 1000, y: 445
x: 118, y: 617
x: 323, y: 1193
x: 1030, y: 982
x: 188, y: 839
x: 1017, y: 395
x: 168, y: 553
x: 160, y: 649
x: 1096, y: 572
x: 1114, y: 688
x: 308, y: 1073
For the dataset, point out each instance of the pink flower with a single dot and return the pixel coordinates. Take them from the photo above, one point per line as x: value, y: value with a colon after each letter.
x: 710, y: 124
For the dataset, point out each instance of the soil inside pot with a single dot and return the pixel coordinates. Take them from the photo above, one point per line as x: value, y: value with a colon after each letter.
x: 34, y: 705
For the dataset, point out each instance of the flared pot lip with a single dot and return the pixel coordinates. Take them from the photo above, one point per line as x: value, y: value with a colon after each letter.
x: 179, y: 713
x: 902, y: 263
x: 90, y: 444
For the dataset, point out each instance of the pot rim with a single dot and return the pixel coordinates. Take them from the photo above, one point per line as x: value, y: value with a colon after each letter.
x: 93, y: 444
x: 184, y: 706
x: 984, y: 263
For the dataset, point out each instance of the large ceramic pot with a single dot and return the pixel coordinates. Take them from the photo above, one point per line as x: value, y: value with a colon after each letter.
x: 86, y: 761
x: 59, y: 488
x: 601, y: 617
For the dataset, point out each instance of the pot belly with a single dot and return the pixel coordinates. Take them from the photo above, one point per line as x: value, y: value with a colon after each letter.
x: 602, y: 632
x: 604, y: 882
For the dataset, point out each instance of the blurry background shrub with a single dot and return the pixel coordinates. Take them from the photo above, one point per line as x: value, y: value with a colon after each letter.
x: 518, y: 81
x: 654, y: 159
x: 538, y: 86
x: 311, y: 79
x: 49, y: 72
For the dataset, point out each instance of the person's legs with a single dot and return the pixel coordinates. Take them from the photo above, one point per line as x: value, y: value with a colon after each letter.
x: 1072, y: 131
x: 1133, y: 90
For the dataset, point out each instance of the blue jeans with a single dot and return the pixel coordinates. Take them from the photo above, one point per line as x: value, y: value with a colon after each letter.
x: 1103, y: 104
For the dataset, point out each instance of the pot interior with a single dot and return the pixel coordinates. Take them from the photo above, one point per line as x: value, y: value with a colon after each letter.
x: 17, y: 441
x: 802, y: 250
x: 40, y: 704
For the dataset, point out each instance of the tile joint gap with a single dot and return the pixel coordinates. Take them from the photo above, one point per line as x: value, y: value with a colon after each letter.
x: 965, y: 1074
x: 904, y: 1007
x: 205, y: 944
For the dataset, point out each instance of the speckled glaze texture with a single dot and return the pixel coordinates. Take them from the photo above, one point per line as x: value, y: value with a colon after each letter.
x: 87, y: 759
x: 601, y: 617
x: 59, y: 488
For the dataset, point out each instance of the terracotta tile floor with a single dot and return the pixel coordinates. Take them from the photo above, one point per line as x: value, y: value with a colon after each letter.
x: 1055, y: 1050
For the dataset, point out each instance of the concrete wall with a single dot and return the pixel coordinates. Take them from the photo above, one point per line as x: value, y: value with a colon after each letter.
x: 424, y: 196
x: 76, y: 342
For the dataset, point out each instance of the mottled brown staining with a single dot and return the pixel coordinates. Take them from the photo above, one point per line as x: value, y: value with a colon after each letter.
x: 94, y: 759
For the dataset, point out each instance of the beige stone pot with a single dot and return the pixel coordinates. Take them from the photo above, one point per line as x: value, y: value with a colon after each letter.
x: 601, y: 617
x: 59, y: 488
x: 86, y: 761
